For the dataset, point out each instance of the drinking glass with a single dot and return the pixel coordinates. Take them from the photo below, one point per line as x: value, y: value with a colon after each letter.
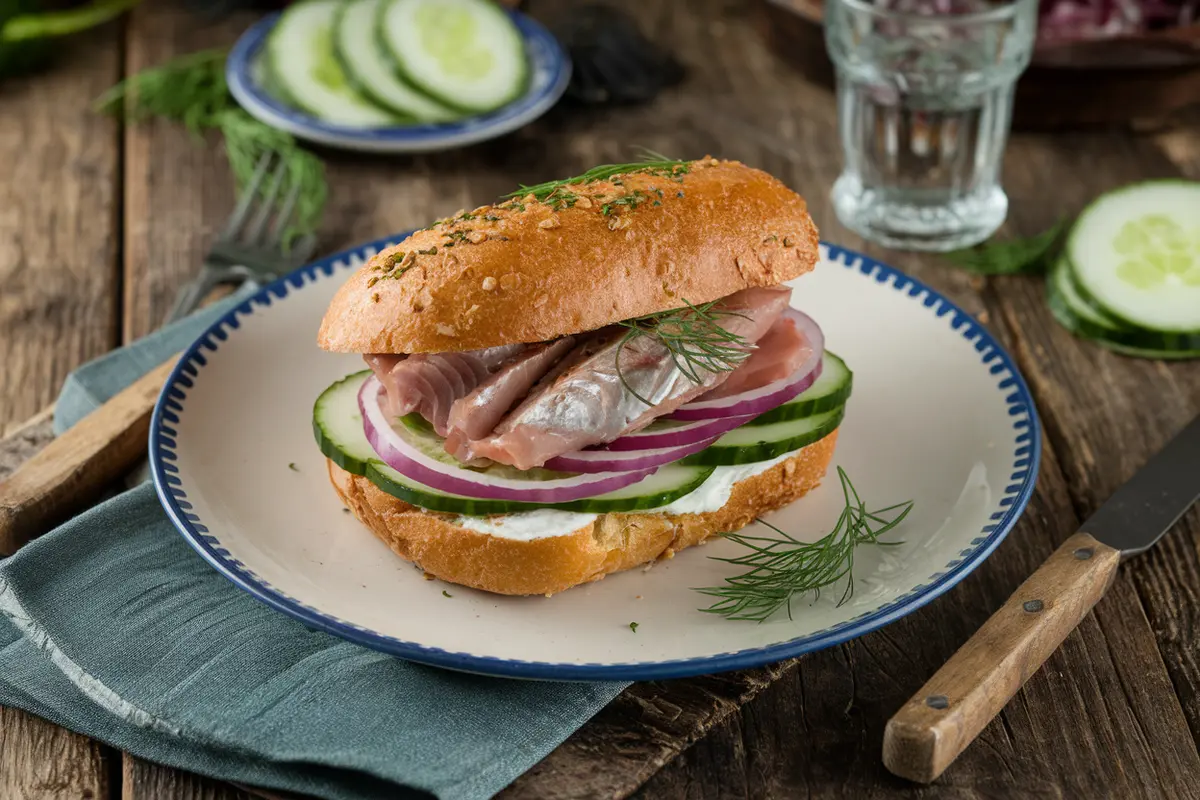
x: 924, y: 91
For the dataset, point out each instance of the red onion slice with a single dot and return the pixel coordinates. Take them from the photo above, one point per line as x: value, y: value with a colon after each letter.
x: 409, y: 460
x: 677, y: 436
x: 764, y: 398
x: 610, y: 461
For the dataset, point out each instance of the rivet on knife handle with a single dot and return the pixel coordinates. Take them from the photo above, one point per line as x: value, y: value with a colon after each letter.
x: 75, y: 468
x: 949, y: 711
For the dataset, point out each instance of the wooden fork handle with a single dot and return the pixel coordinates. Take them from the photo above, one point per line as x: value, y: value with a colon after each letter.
x: 72, y: 471
x: 949, y: 711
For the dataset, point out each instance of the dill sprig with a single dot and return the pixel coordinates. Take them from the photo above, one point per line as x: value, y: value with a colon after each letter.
x: 191, y: 89
x: 694, y: 338
x: 652, y: 162
x: 781, y: 568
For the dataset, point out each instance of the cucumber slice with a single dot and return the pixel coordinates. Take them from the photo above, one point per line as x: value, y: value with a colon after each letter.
x: 1061, y: 283
x: 466, y: 53
x: 372, y: 70
x: 338, y: 425
x: 828, y: 392
x: 748, y: 444
x: 662, y: 488
x: 1074, y: 313
x: 1135, y: 252
x: 303, y: 65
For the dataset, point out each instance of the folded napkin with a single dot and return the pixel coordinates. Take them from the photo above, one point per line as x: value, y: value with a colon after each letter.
x: 112, y: 626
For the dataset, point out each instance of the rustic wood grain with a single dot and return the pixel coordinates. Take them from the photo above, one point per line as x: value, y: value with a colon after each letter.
x: 178, y: 189
x: 58, y: 206
x: 59, y: 174
x: 948, y: 712
x: 1118, y: 696
x: 144, y: 780
x: 41, y: 761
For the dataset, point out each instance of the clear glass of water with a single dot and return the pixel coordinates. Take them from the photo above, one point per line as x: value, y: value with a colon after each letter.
x: 924, y: 90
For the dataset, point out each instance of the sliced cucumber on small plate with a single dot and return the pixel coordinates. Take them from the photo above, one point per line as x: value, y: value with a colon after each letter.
x: 372, y: 70
x: 304, y: 66
x: 466, y: 53
x: 1135, y: 254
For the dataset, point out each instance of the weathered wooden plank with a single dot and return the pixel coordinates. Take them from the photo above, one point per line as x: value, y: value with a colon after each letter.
x: 41, y: 761
x: 178, y: 191
x: 58, y: 222
x: 59, y: 179
x: 143, y: 780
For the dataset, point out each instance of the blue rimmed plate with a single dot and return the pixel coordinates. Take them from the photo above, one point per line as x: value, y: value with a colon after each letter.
x: 549, y: 73
x: 939, y: 415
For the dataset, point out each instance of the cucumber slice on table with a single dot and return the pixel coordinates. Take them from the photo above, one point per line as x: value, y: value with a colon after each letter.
x: 304, y: 67
x: 338, y: 427
x: 466, y: 53
x: 750, y: 443
x: 1075, y: 313
x: 828, y: 392
x: 371, y: 69
x: 1135, y: 253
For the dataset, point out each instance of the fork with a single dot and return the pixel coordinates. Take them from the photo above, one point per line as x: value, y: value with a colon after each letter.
x: 74, y: 469
x: 250, y: 248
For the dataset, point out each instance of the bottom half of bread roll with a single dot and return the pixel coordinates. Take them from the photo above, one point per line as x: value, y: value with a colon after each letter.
x: 443, y: 547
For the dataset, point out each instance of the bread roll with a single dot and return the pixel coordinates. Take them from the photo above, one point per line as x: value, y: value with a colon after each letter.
x: 614, y: 542
x: 593, y: 254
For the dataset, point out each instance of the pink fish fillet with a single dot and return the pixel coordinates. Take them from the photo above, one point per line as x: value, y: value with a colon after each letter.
x: 778, y: 354
x: 476, y: 414
x: 429, y: 383
x: 590, y: 403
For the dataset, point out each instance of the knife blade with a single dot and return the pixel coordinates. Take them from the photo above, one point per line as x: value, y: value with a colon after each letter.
x: 948, y: 712
x: 1152, y: 501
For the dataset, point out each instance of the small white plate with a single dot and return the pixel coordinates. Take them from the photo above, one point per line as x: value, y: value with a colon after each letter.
x: 549, y: 74
x: 939, y: 415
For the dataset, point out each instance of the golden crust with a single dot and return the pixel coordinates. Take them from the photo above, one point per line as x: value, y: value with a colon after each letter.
x: 528, y: 271
x: 612, y: 543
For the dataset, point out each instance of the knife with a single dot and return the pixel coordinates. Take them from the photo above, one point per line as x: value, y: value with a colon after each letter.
x: 950, y: 710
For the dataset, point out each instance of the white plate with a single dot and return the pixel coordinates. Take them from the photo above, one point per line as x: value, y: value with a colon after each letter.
x: 549, y: 74
x: 939, y: 415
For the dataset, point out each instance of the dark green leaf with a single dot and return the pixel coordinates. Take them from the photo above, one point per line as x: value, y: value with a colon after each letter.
x: 1031, y: 256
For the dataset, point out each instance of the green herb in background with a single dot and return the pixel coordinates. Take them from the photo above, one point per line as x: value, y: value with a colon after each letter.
x: 1012, y: 257
x: 781, y: 568
x: 191, y: 90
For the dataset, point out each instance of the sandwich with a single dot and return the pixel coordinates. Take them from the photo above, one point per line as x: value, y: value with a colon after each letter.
x: 587, y: 376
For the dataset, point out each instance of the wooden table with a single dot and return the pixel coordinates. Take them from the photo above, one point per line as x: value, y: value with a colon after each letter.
x: 99, y: 223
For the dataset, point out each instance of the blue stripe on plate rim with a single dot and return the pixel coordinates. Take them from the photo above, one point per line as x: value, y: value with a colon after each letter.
x: 1026, y: 458
x: 550, y: 72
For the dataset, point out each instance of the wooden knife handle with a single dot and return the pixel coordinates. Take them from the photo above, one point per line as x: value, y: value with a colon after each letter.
x: 72, y: 471
x: 950, y: 710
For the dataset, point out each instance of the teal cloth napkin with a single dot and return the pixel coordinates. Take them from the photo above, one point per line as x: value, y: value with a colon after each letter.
x: 112, y: 626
